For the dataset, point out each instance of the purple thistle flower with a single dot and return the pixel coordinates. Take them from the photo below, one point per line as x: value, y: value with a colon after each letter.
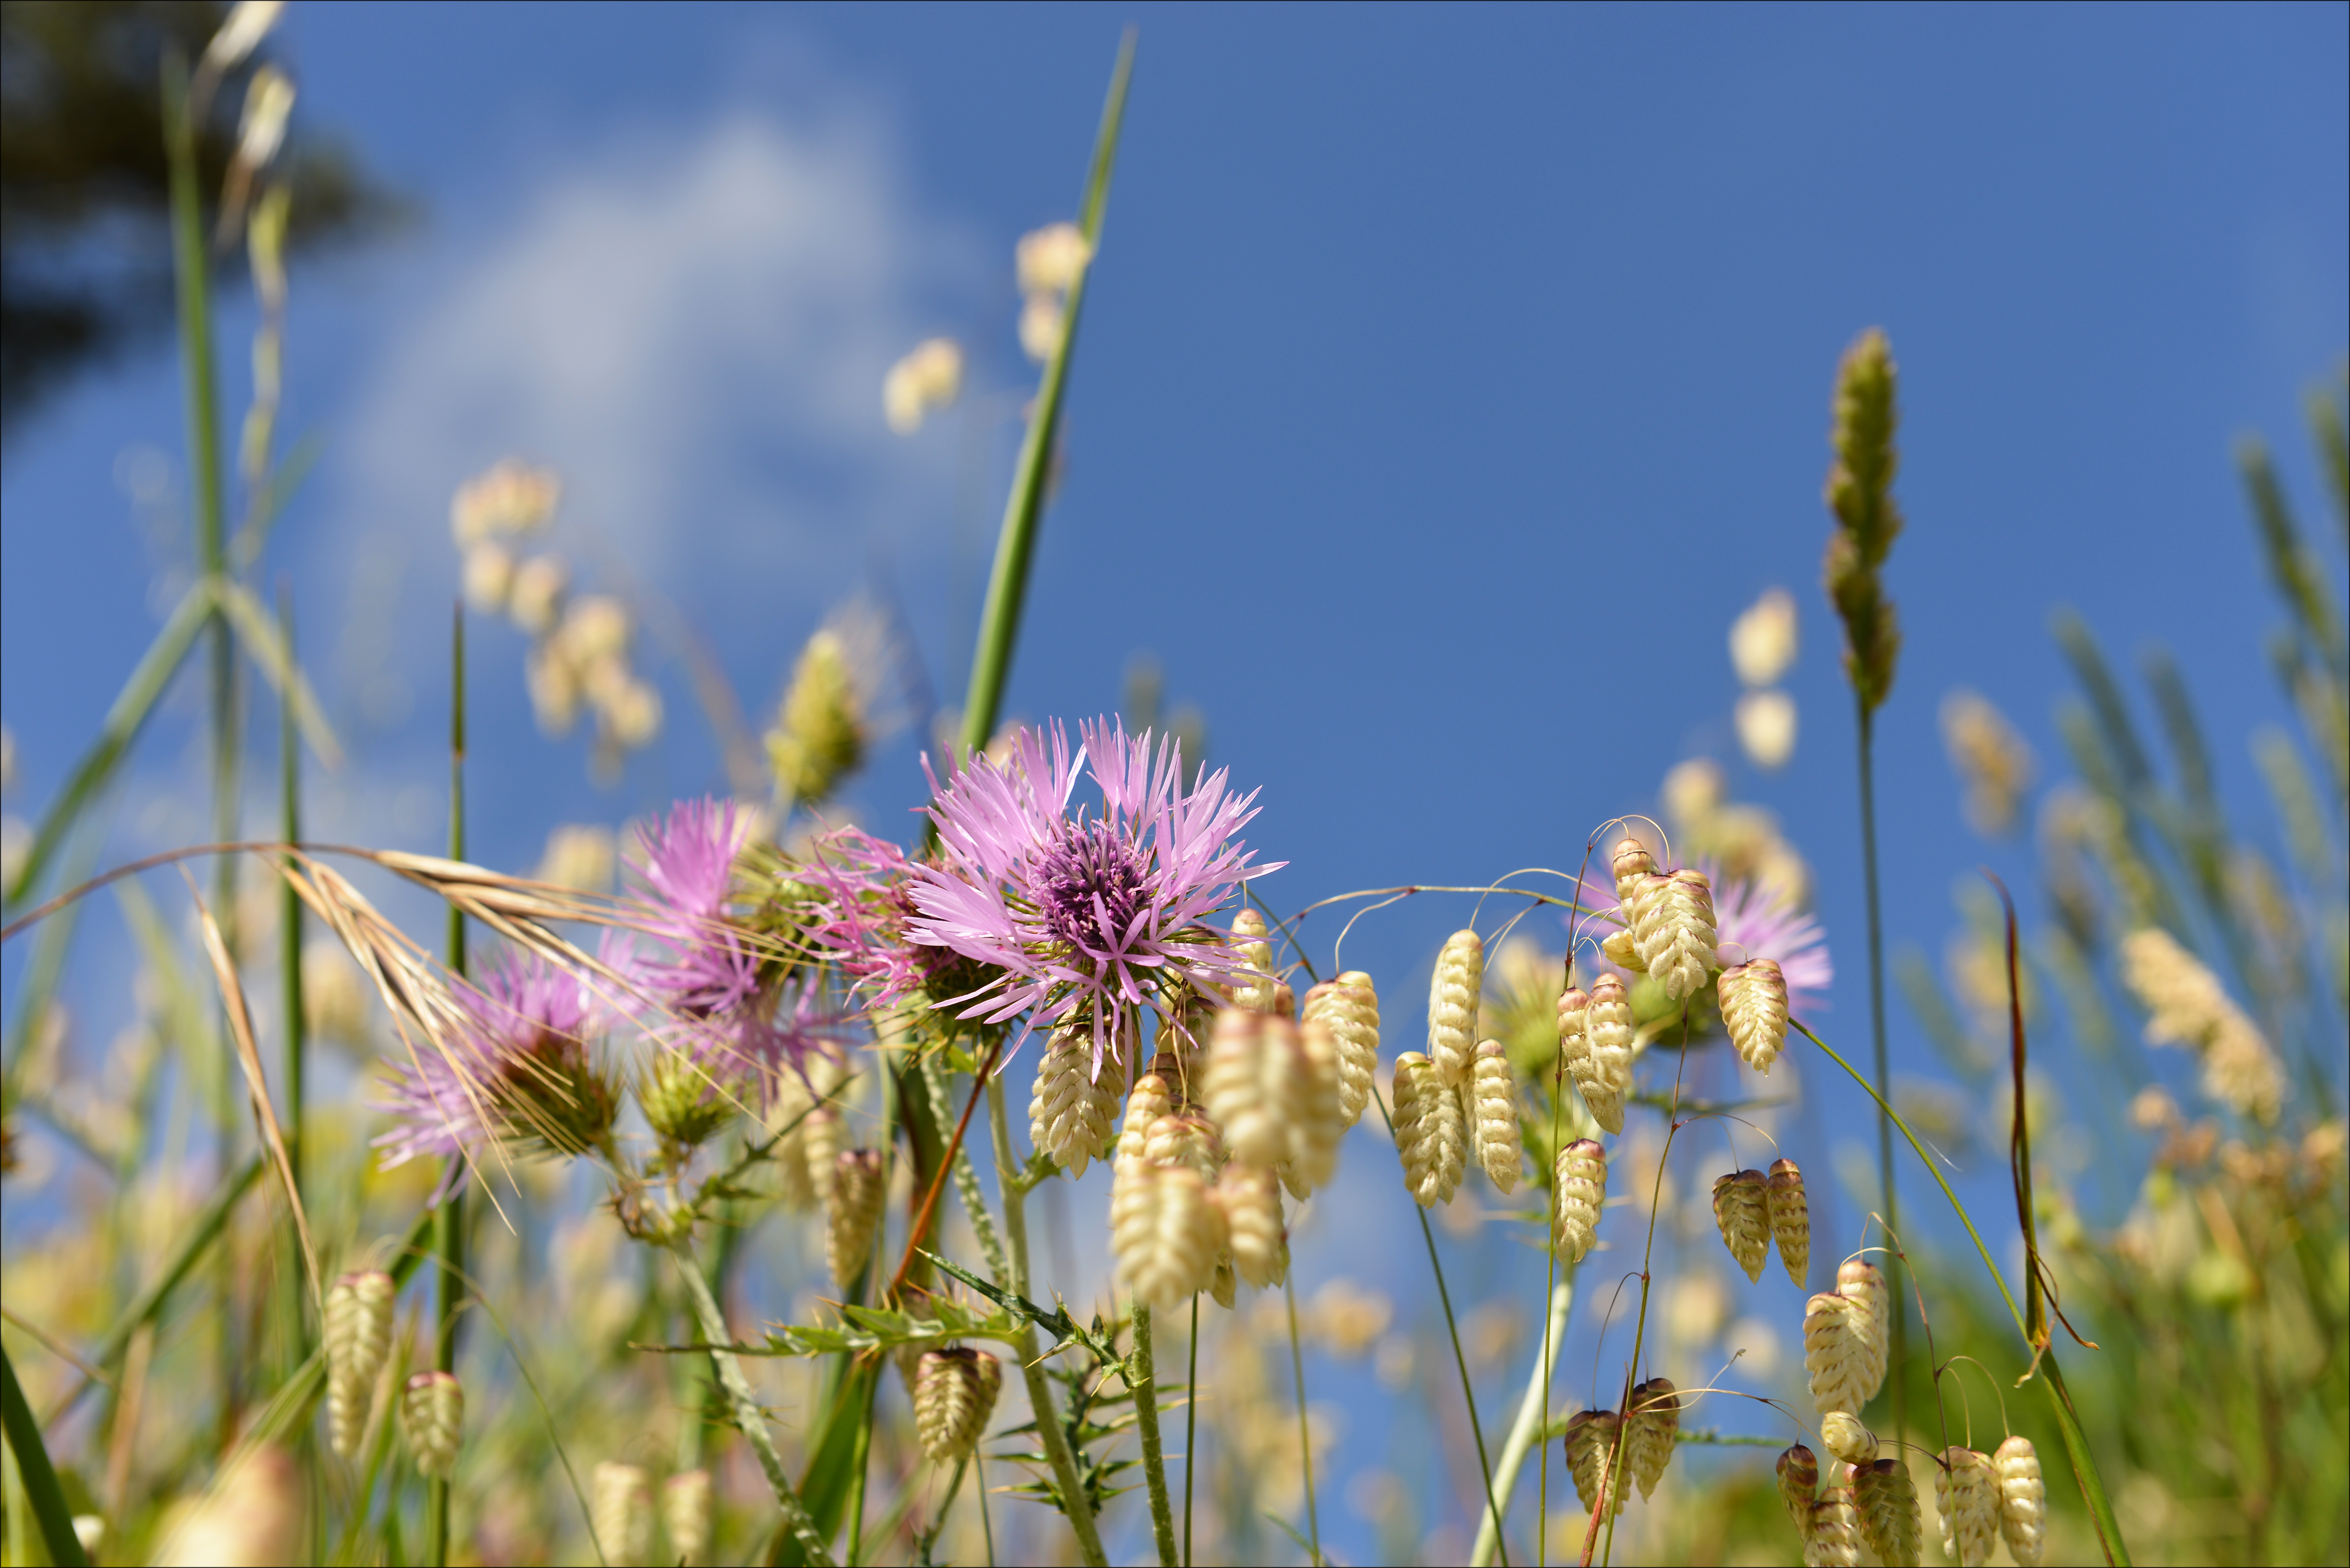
x: 688, y: 875
x: 1077, y: 912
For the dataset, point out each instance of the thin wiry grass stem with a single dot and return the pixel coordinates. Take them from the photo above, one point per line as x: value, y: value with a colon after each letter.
x: 1040, y: 1390
x: 1876, y: 1033
x: 1144, y: 1384
x: 1190, y: 1428
x: 449, y: 1231
x: 1305, y: 1432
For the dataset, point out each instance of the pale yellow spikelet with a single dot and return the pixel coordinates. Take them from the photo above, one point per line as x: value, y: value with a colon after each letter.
x: 1655, y: 1428
x: 685, y: 1514
x: 432, y: 1413
x: 1591, y: 1443
x: 1164, y: 1232
x: 1348, y: 1007
x: 1612, y: 1027
x: 1833, y: 1356
x: 1452, y: 996
x: 2187, y: 1005
x: 1648, y: 910
x: 1799, y: 1486
x: 1255, y: 1085
x: 1966, y: 1494
x: 1073, y: 1112
x: 1678, y: 944
x: 1250, y: 1199
x: 1150, y: 1098
x: 1428, y: 1130
x: 1606, y: 1107
x: 1253, y: 991
x: 1580, y: 1191
x: 1861, y: 1283
x: 1891, y: 1520
x: 1319, y: 1125
x: 1753, y: 998
x: 1187, y: 1140
x: 954, y: 1394
x: 1224, y: 1285
x: 1622, y: 948
x: 1835, y: 1539
x: 823, y: 1138
x: 1493, y: 1093
x: 358, y: 1341
x: 1628, y: 864
x: 1741, y: 1211
x: 1846, y: 1438
x: 1791, y: 1218
x: 622, y: 1513
x: 2023, y: 1501
x: 790, y: 1104
x: 853, y: 1217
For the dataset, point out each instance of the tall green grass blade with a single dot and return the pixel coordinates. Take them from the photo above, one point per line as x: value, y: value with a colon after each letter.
x: 289, y: 964
x: 46, y: 1499
x: 1007, y: 583
x: 449, y: 1231
x: 271, y: 654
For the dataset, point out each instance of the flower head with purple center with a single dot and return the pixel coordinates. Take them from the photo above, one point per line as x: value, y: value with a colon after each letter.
x: 1081, y: 915
x: 688, y: 871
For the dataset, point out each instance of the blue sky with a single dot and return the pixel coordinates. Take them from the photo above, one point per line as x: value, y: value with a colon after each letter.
x: 1448, y: 381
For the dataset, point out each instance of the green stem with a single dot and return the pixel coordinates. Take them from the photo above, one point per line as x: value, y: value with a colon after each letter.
x: 1190, y: 1428
x: 1144, y: 1383
x: 448, y: 1238
x: 1007, y: 582
x: 966, y: 1177
x: 748, y: 1417
x: 33, y: 1468
x: 289, y: 962
x: 1305, y: 1431
x: 1528, y: 1430
x: 2068, y: 1421
x: 1884, y: 1079
x: 1075, y: 1507
x: 858, y: 1465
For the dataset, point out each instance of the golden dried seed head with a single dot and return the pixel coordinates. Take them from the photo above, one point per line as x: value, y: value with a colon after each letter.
x: 1349, y: 1008
x: 1591, y: 1442
x: 1753, y: 997
x: 1186, y: 1141
x: 1319, y: 1122
x: 1834, y: 1540
x: 1622, y: 948
x: 789, y: 1105
x: 1253, y: 991
x: 1428, y: 1130
x: 1791, y: 1218
x: 1799, y: 1486
x: 1742, y: 1212
x: 1833, y: 1356
x: 622, y: 1511
x: 1675, y: 931
x: 1575, y: 1052
x: 1846, y: 1438
x: 823, y: 1137
x: 1164, y: 1232
x: 1891, y: 1520
x: 685, y: 1514
x: 2023, y: 1501
x: 1452, y: 996
x: 1656, y: 1424
x: 1493, y: 1093
x: 1251, y: 1203
x: 432, y: 1412
x: 853, y: 1219
x: 1073, y: 1111
x: 1150, y: 1098
x: 358, y: 1341
x: 1966, y: 1494
x: 1224, y: 1285
x: 954, y: 1394
x: 1860, y: 1283
x: 1256, y: 1084
x: 1630, y: 863
x: 1579, y: 1183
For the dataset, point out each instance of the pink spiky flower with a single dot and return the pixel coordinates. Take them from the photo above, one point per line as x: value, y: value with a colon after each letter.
x: 710, y: 971
x: 1081, y: 915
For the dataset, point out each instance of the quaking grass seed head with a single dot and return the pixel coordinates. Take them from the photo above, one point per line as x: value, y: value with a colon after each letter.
x: 1835, y: 1359
x: 1682, y: 954
x: 1890, y: 1519
x: 622, y: 1513
x: 685, y: 1514
x: 1348, y: 1007
x: 1791, y: 1218
x: 2022, y: 1501
x: 1655, y: 1428
x: 1493, y: 1093
x: 1428, y: 1130
x: 1591, y: 1443
x: 357, y: 1342
x: 1799, y: 1486
x: 1319, y: 1123
x: 954, y: 1393
x: 1967, y: 1496
x: 1861, y: 1283
x: 1149, y: 1099
x: 1256, y: 1084
x: 432, y: 1413
x: 1630, y: 863
x: 1254, y: 991
x: 1753, y: 997
x: 1846, y: 1438
x: 1834, y: 1540
x: 1454, y: 992
x: 1250, y: 1199
x: 1742, y: 1212
x: 1073, y: 1112
x: 854, y: 1221
x: 1165, y: 1232
x: 1579, y: 1188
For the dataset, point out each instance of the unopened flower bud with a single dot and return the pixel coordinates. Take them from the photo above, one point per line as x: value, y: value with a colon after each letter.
x: 685, y: 1514
x: 954, y: 1394
x: 622, y: 1513
x: 1428, y: 1130
x: 1654, y: 1429
x: 1791, y: 1218
x: 1349, y: 1008
x: 1891, y: 1520
x: 358, y: 1341
x: 1580, y: 1181
x: 684, y: 1100
x: 432, y: 1410
x: 1753, y: 997
x: 1741, y: 1211
x: 1967, y: 1496
x: 853, y: 1221
x: 1251, y: 1203
x: 1073, y: 1113
x: 1452, y: 997
x: 1846, y: 1438
x: 2023, y: 1501
x: 1493, y: 1094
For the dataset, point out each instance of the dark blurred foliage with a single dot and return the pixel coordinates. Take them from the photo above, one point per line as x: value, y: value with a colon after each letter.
x: 85, y: 246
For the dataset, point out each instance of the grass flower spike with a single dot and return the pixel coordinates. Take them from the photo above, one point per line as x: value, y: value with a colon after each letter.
x: 853, y: 1222
x: 1799, y: 1486
x: 1862, y: 1283
x: 685, y: 1514
x: 1165, y: 1232
x: 1834, y: 1540
x: 1073, y: 1112
x: 358, y: 1340
x: 1349, y: 1008
x: 1150, y: 1098
x: 2187, y: 1006
x: 1591, y: 1443
x: 1452, y: 995
x: 1655, y: 1428
x: 1255, y: 1085
x: 2023, y: 1501
x: 1493, y: 1094
x: 1791, y: 1218
x: 1891, y: 1520
x: 1755, y: 1010
x: 1742, y: 1212
x: 954, y: 1394
x: 623, y: 1512
x: 1835, y: 1356
x: 1428, y: 1130
x: 432, y: 1413
x: 1967, y: 1496
x: 1580, y: 1193
x: 1679, y: 947
x: 1253, y: 990
x: 1250, y: 1199
x: 1321, y: 1123
x: 1606, y: 1105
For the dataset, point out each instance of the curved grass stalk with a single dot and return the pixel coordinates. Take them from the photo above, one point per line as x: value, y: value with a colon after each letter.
x: 1305, y: 1429
x: 2068, y: 1422
x: 1531, y: 1425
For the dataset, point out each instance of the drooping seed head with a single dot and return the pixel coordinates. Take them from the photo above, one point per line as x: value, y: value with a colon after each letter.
x: 2022, y: 1501
x: 1149, y: 1099
x: 1967, y: 1496
x: 1250, y: 1200
x: 1579, y: 1183
x: 685, y: 1514
x: 1846, y: 1438
x: 1791, y: 1218
x: 789, y: 1103
x: 1493, y: 1093
x: 1834, y: 1540
x: 1255, y: 1085
x: 432, y: 1413
x: 954, y: 1394
x: 823, y: 1137
x: 622, y: 1513
x: 1349, y: 1008
x: 853, y: 1217
x: 1606, y: 1107
x: 1428, y: 1130
x: 1186, y: 1141
x: 1799, y: 1486
x: 1742, y: 1212
x: 1452, y: 996
x: 1654, y: 1427
x: 1254, y: 990
x: 1891, y: 1520
x: 1753, y: 997
x: 1833, y: 1355
x: 1591, y: 1442
x: 1630, y: 863
x: 1861, y: 1283
x: 1072, y: 1113
x: 1164, y: 1232
x: 1676, y: 931
x: 357, y: 1342
x: 1319, y: 1123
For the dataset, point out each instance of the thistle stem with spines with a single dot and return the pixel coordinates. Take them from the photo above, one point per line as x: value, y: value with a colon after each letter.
x: 1144, y: 1385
